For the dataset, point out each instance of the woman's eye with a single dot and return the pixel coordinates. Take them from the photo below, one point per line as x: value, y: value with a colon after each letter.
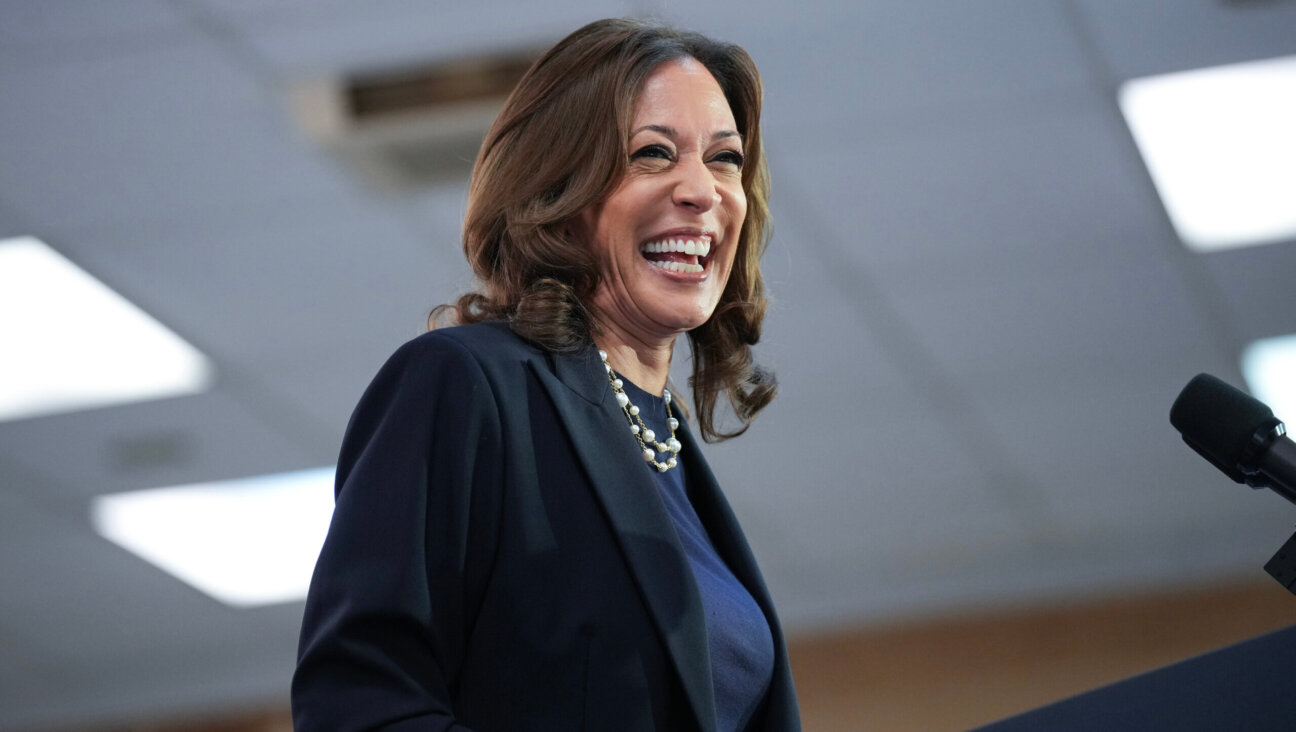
x: 732, y: 157
x: 651, y: 151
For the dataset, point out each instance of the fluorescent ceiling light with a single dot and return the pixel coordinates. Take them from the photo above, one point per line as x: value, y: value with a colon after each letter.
x: 244, y: 542
x: 1220, y: 144
x: 1269, y: 366
x: 71, y: 343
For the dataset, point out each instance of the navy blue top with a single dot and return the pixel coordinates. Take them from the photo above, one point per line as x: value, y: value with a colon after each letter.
x: 742, y: 649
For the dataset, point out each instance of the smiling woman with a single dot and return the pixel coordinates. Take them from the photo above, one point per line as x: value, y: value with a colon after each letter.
x: 526, y: 536
x: 561, y: 147
x: 665, y: 239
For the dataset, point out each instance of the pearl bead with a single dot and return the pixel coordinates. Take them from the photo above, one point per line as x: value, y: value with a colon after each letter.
x: 623, y: 400
x: 618, y: 383
x: 673, y: 444
x: 670, y: 463
x: 648, y: 454
x: 666, y: 395
x: 674, y: 423
x: 602, y: 354
x: 633, y: 409
x: 634, y: 429
x: 650, y: 436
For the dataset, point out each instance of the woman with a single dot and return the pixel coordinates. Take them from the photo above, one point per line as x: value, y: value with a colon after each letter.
x: 526, y: 537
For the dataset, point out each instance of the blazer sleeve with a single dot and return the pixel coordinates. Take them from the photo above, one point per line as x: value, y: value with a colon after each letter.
x: 409, y: 549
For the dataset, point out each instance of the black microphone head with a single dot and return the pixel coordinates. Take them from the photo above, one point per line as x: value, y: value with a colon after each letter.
x: 1225, y: 425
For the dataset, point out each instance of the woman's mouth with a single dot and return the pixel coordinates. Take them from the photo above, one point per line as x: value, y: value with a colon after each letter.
x: 682, y: 254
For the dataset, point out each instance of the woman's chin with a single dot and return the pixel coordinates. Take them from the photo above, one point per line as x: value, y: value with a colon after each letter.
x: 682, y: 317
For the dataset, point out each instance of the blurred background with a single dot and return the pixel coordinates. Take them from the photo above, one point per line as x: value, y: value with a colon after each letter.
x: 967, y: 500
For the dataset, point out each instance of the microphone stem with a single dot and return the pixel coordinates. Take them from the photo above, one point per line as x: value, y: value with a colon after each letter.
x: 1278, y: 464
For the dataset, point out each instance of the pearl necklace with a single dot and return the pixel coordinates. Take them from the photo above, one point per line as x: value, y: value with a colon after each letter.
x: 640, y: 430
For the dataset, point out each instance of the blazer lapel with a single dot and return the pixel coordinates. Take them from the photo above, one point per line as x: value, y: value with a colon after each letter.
x: 625, y: 488
x: 721, y: 524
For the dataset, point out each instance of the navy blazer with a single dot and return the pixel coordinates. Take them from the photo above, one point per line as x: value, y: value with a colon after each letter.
x: 500, y: 559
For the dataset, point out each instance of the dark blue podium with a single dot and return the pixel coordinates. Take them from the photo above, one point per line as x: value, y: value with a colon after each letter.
x: 1249, y: 686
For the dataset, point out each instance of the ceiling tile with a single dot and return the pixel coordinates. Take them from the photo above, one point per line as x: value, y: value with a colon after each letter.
x: 154, y: 444
x: 34, y: 33
x: 856, y: 64
x: 169, y: 134
x: 1259, y: 286
x: 1039, y: 185
x: 1144, y: 37
x: 306, y: 38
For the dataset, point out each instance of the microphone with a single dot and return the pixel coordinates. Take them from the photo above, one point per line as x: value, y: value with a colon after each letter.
x: 1241, y: 436
x: 1237, y: 433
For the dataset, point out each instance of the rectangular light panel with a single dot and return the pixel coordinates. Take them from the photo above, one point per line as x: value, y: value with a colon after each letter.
x: 246, y: 542
x: 1269, y: 367
x: 72, y: 343
x: 1220, y: 145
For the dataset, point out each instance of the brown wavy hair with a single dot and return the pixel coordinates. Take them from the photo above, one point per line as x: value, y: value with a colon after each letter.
x: 559, y: 146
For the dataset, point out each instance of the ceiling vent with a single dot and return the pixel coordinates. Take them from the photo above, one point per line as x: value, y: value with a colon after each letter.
x: 413, y: 127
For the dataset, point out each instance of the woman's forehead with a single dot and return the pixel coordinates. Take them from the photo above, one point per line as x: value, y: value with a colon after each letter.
x: 682, y: 91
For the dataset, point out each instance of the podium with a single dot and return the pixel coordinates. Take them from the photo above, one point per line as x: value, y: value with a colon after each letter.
x: 1249, y: 686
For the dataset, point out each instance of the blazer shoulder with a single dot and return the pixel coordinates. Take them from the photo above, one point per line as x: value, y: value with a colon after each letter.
x: 465, y: 359
x: 491, y: 343
x: 503, y: 358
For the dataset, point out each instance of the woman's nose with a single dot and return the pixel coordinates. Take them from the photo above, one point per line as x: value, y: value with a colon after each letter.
x: 696, y: 186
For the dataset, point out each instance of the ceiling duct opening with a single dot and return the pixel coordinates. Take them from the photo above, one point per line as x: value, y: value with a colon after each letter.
x: 412, y: 127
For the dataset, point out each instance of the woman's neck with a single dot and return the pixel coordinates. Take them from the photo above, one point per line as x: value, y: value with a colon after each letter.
x: 644, y: 363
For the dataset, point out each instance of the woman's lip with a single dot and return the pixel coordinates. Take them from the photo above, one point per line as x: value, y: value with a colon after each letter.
x: 668, y: 263
x: 683, y: 232
x: 690, y: 267
x: 676, y: 274
x: 694, y: 242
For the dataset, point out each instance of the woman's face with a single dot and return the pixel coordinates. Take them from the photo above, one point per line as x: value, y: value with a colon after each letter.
x: 665, y: 239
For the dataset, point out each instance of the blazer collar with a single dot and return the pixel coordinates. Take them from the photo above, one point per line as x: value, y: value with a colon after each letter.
x: 644, y: 530
x: 582, y: 372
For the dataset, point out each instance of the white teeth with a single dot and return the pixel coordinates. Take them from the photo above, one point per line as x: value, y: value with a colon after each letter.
x: 677, y: 266
x: 697, y: 247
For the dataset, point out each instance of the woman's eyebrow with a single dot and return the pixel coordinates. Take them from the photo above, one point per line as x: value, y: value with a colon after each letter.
x: 672, y: 133
x: 663, y: 129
